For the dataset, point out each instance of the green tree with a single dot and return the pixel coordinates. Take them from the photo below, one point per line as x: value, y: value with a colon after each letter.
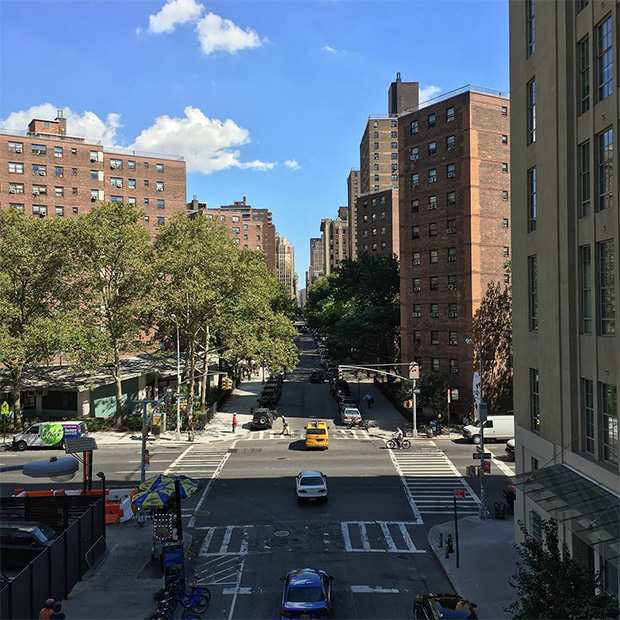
x: 35, y: 297
x: 552, y: 584
x: 114, y: 256
x: 433, y: 388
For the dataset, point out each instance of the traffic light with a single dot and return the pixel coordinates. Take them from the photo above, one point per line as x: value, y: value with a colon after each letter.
x: 339, y: 372
x: 227, y: 383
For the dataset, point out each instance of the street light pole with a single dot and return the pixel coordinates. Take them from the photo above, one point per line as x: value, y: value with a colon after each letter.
x: 414, y: 403
x: 178, y: 395
x: 483, y: 510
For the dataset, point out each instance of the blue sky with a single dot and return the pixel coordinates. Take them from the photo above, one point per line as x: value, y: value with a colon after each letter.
x: 264, y: 99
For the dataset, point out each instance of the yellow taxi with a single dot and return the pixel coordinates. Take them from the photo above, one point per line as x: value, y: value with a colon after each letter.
x: 317, y: 435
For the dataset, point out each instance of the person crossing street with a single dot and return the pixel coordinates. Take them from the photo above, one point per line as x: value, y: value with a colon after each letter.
x: 285, y: 426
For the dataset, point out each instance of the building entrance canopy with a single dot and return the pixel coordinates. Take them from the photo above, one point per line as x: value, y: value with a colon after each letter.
x: 584, y: 508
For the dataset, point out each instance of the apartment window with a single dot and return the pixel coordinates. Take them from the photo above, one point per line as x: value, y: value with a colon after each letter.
x: 16, y: 188
x: 132, y: 201
x: 450, y: 171
x: 146, y: 182
x: 94, y: 194
x: 383, y: 231
x: 506, y: 278
x: 75, y: 210
x: 375, y: 167
x: 531, y: 112
x: 376, y: 177
x: 16, y: 147
x: 415, y: 232
x: 160, y: 186
x: 585, y: 274
x: 606, y: 169
x: 432, y: 229
x: 73, y: 151
x: 116, y: 164
x: 375, y: 145
x: 432, y: 202
x: 452, y: 283
x: 432, y: 256
x: 74, y: 191
x: 116, y: 199
x: 93, y: 156
x: 536, y: 527
x: 532, y: 205
x: 131, y: 165
x: 504, y: 110
x: 432, y: 148
x: 414, y: 127
x: 365, y: 218
x: 162, y: 220
x: 74, y: 171
x: 59, y: 211
x: 452, y: 311
x: 394, y: 145
x: 39, y: 170
x: 587, y: 407
x: 58, y: 151
x: 415, y: 180
x: 505, y: 222
x: 450, y: 143
x: 532, y: 280
x: 432, y: 175
x: 531, y: 27
x: 395, y: 177
x: 146, y: 165
x: 604, y: 59
x: 417, y: 310
x: 431, y: 120
x: 434, y: 283
x: 131, y: 183
x: 450, y: 227
x: 504, y: 195
x: 160, y: 204
x: 375, y: 134
x: 434, y: 337
x: 451, y: 255
x: 416, y: 285
x: 374, y: 232
x: 374, y: 247
x: 382, y: 215
x: 374, y: 203
x: 236, y: 230
x: 449, y: 115
x: 375, y: 188
x: 583, y: 65
x: 40, y: 210
x: 39, y: 190
x: 393, y: 123
x: 504, y: 139
x: 393, y: 155
x: 382, y: 199
x: 375, y: 124
x: 451, y: 199
x: 414, y: 154
x: 393, y: 134
x: 609, y: 413
x: 415, y: 206
x: 94, y: 175
x: 416, y: 258
x: 453, y: 338
x: 245, y: 226
x: 59, y: 192
x: 434, y: 311
x: 417, y: 337
x: 506, y: 251
x: 435, y: 363
x: 535, y: 399
x: 38, y: 149
x: 606, y: 288
x: 116, y: 182
x: 584, y: 179
x: 504, y: 167
x: 454, y: 366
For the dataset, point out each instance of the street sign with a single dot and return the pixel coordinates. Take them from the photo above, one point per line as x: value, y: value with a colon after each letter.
x: 478, y: 455
x: 414, y: 371
x: 4, y: 409
x: 486, y: 466
x: 458, y: 493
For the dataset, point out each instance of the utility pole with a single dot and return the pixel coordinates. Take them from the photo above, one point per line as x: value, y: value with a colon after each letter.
x: 178, y: 395
x: 414, y: 375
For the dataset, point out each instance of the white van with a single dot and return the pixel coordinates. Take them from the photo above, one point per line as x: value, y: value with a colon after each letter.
x: 496, y: 427
x: 49, y: 435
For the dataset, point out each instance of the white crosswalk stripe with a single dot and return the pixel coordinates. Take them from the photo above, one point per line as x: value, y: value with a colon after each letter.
x: 379, y: 537
x: 198, y: 461
x: 429, y: 478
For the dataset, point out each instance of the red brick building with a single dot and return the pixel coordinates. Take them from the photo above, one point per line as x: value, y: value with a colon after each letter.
x: 43, y: 171
x: 454, y: 185
x: 378, y: 228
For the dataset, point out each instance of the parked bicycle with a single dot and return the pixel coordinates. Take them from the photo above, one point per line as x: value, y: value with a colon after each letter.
x: 392, y: 444
x: 166, y: 607
x: 197, y: 599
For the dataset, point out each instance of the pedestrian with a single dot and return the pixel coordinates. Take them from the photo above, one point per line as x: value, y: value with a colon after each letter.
x: 438, y: 424
x: 58, y: 614
x: 47, y: 610
x: 285, y: 426
x: 234, y: 423
x: 465, y: 420
x: 369, y: 399
x: 26, y: 424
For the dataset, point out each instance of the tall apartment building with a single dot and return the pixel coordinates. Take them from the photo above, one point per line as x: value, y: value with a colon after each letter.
x: 334, y: 235
x: 285, y: 265
x: 353, y: 190
x: 316, y: 269
x: 564, y: 91
x: 251, y: 228
x: 44, y: 171
x: 454, y: 226
x: 378, y: 228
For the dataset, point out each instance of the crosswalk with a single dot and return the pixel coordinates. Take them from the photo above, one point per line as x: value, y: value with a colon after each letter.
x: 339, y: 433
x: 429, y: 479
x: 199, y: 461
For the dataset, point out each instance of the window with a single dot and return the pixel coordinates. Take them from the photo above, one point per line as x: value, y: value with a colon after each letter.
x: 604, y: 59
x: 434, y: 337
x: 160, y: 220
x: 131, y: 165
x: 73, y: 151
x: 58, y: 151
x: 504, y: 139
x: 38, y: 149
x: 434, y: 311
x: 432, y: 229
x: 432, y: 148
x: 146, y: 165
x: 585, y: 275
x: 417, y: 310
x: 606, y: 288
x: 432, y: 202
x: 504, y: 195
x: 39, y: 190
x: 451, y: 171
x: 414, y: 127
x: 415, y: 205
x: 506, y: 251
x: 131, y: 183
x: 416, y: 258
x: 16, y: 188
x: 74, y: 191
x: 74, y: 171
x: 452, y: 311
x: 382, y: 199
x: 116, y: 164
x: 236, y: 230
x: 93, y: 156
x: 609, y: 412
x: 116, y: 199
x: 393, y: 155
x: 374, y: 232
x: 504, y: 110
x: 606, y: 169
x: 415, y: 153
x: 146, y: 182
x: 132, y: 201
x: 160, y: 186
x: 39, y: 170
x: 59, y: 192
x: 583, y: 67
x: 505, y: 167
x: 534, y: 399
x: 416, y: 285
x: 454, y: 340
x: 587, y: 408
x: 365, y: 218
x: 434, y: 283
x: 394, y: 145
x: 452, y: 283
x: 417, y: 337
x: 40, y: 210
x: 393, y: 123
x: 160, y: 204
x: 16, y: 147
x: 451, y: 255
x: 415, y: 180
x: 454, y: 366
x: 451, y: 199
x: 431, y: 120
x: 375, y: 134
x: 415, y: 232
x: 375, y: 145
x: 94, y: 175
x: 450, y: 142
x: 536, y: 527
x: 531, y: 112
x: 376, y: 177
x: 383, y: 232
x: 531, y: 27
x: 435, y: 363
x: 393, y: 134
x: 59, y: 211
x: 506, y: 278
x: 449, y: 115
x: 116, y: 182
x: 450, y: 227
x: 374, y: 247
x: 584, y: 179
x: 94, y: 194
x: 432, y: 256
x: 375, y: 124
x: 375, y: 167
x: 432, y: 175
x: 532, y: 288
x: 382, y: 215
x: 505, y: 222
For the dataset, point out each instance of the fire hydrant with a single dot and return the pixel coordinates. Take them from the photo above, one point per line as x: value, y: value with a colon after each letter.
x: 449, y: 544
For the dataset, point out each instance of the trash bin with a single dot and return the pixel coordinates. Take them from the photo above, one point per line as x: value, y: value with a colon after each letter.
x: 433, y: 426
x: 500, y: 510
x: 156, y: 430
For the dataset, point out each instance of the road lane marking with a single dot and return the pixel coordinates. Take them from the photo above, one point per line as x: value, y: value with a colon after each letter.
x: 226, y: 540
x: 243, y: 590
x: 373, y: 590
x: 234, y: 601
x: 346, y: 537
x: 388, y: 537
x: 414, y: 507
x: 364, y: 537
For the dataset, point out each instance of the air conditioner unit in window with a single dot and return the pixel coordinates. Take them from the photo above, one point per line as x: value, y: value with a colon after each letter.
x: 414, y: 157
x: 432, y: 206
x: 452, y: 315
x: 415, y: 184
x: 450, y: 231
x: 19, y: 150
x: 160, y: 189
x: 451, y: 175
x: 57, y: 154
x: 93, y: 158
x: 452, y: 287
x: 453, y: 343
x: 416, y: 315
x: 432, y: 179
x: 35, y: 192
x: 93, y: 198
x: 416, y: 289
x: 451, y: 259
x: 450, y: 147
x: 454, y: 371
x: 416, y: 261
x: 434, y: 315
x: 12, y: 191
x: 42, y: 173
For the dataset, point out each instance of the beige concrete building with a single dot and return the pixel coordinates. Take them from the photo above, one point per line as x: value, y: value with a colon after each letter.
x: 334, y: 240
x: 316, y: 269
x: 564, y: 125
x: 285, y: 265
x: 353, y: 191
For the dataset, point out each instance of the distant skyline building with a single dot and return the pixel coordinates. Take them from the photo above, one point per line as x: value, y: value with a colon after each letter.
x: 285, y: 266
x: 316, y: 269
x: 353, y: 191
x: 334, y: 237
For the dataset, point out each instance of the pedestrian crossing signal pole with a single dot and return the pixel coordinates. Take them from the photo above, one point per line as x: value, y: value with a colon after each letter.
x: 414, y: 375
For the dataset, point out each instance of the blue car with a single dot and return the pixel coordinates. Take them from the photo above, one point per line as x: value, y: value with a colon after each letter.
x: 306, y: 593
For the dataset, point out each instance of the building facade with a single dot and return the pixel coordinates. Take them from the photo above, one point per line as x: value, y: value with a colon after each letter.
x: 46, y: 172
x: 378, y: 226
x: 564, y: 91
x: 454, y: 226
x: 353, y: 190
x: 316, y: 269
x: 334, y: 240
x: 285, y: 266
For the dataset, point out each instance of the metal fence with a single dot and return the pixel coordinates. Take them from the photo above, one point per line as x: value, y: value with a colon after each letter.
x: 55, y: 571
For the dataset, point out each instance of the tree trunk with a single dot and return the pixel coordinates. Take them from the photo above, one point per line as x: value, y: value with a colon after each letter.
x: 118, y: 384
x: 16, y: 390
x: 191, y: 367
x: 205, y: 370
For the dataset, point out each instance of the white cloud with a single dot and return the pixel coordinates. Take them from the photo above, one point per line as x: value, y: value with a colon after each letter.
x: 428, y: 92
x: 222, y: 35
x: 86, y: 125
x: 328, y: 48
x: 138, y: 31
x: 208, y: 145
x: 292, y: 164
x: 174, y: 12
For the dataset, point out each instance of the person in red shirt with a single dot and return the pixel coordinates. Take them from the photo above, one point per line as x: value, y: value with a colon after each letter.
x: 47, y: 609
x: 234, y: 422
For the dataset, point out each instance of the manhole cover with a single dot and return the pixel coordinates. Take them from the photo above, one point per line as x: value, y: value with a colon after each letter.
x: 281, y: 534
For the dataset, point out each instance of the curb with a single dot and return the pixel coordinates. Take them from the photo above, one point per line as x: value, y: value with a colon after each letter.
x: 435, y: 530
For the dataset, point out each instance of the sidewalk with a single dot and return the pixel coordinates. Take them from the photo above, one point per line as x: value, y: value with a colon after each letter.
x: 488, y: 559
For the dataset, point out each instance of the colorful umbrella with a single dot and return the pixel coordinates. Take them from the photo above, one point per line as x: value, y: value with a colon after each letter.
x: 187, y: 488
x: 155, y: 482
x: 156, y: 498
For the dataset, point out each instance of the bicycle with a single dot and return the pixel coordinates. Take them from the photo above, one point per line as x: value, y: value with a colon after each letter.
x: 392, y: 444
x: 197, y: 599
x: 166, y: 607
x: 361, y: 424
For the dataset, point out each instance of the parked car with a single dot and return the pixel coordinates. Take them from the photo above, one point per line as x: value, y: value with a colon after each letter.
x: 317, y: 435
x: 23, y: 540
x: 49, y: 435
x: 269, y: 397
x: 262, y: 419
x: 440, y: 606
x: 276, y: 384
x: 496, y: 427
x: 306, y: 593
x: 317, y: 376
x: 311, y: 486
x: 350, y: 415
x: 510, y: 449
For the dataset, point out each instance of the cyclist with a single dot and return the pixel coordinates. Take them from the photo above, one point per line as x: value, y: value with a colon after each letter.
x: 399, y: 437
x: 285, y: 426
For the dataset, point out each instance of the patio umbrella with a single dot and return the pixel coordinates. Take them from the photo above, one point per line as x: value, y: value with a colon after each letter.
x: 156, y: 498
x: 187, y: 488
x: 155, y: 482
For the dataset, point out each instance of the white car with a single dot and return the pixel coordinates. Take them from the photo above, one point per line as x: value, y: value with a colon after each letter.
x: 311, y: 486
x: 350, y: 415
